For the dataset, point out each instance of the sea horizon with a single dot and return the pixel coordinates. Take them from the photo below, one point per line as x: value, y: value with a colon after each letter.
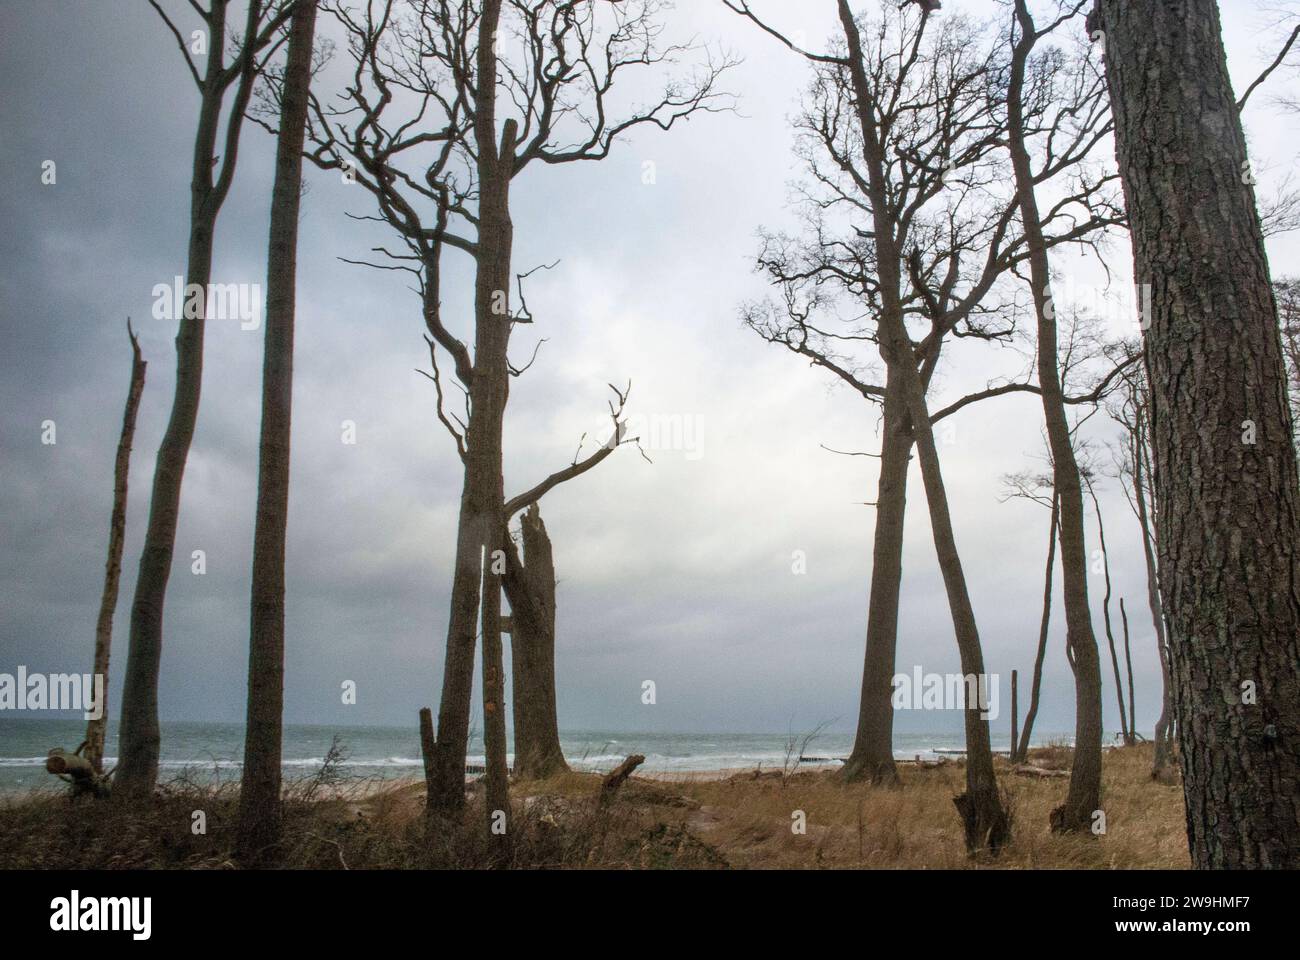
x: 213, y: 750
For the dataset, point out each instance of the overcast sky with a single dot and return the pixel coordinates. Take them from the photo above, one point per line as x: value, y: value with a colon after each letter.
x: 678, y: 571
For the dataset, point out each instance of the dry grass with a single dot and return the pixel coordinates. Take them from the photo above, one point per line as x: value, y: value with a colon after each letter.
x: 743, y: 822
x: 915, y: 825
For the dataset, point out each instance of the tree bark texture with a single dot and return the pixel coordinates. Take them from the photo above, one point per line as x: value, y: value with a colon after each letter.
x: 259, y: 794
x: 1228, y: 524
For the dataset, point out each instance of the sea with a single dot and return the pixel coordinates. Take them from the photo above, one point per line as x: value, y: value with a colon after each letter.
x: 213, y: 751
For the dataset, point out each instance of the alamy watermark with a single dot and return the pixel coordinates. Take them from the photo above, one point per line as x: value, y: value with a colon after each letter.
x: 661, y: 432
x: 53, y: 691
x: 219, y: 301
x: 75, y: 913
x: 946, y: 691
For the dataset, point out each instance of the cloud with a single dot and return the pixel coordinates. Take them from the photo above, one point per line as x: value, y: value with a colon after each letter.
x: 679, y: 570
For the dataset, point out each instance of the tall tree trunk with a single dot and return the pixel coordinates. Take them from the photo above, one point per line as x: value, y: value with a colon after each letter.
x: 873, y: 747
x: 1160, y: 767
x: 138, y: 736
x: 1084, y: 796
x: 1022, y: 749
x: 97, y: 726
x: 479, y: 544
x: 530, y: 587
x: 985, y: 820
x: 1124, y: 727
x: 1131, y: 739
x: 1015, y: 714
x: 259, y: 793
x: 1228, y: 523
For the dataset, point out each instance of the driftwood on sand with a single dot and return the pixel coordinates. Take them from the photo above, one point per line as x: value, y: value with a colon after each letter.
x: 1029, y: 770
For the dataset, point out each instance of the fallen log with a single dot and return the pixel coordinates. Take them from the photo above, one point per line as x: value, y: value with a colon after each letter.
x: 616, y: 778
x: 75, y: 769
x: 1028, y: 770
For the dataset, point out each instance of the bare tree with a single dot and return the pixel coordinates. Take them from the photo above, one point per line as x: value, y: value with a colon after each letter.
x: 97, y: 726
x: 441, y: 173
x: 938, y: 240
x: 1037, y: 488
x: 1131, y: 410
x: 1126, y: 731
x: 1228, y: 520
x: 259, y: 792
x: 213, y: 171
x: 1287, y: 292
x: 895, y: 115
x: 1074, y: 106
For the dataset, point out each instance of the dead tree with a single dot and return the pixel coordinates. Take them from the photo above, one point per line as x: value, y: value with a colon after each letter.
x: 529, y: 584
x: 615, y: 779
x: 440, y: 167
x: 259, y: 793
x: 78, y: 772
x: 1228, y: 520
x: 97, y: 726
x: 213, y: 169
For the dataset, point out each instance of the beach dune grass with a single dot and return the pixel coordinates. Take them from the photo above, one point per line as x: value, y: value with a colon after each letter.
x: 748, y: 819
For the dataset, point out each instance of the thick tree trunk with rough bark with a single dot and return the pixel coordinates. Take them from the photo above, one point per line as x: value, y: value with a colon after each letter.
x: 1084, y: 796
x: 530, y: 587
x: 1022, y: 748
x: 1228, y: 524
x: 872, y: 757
x: 259, y: 793
x: 98, y: 726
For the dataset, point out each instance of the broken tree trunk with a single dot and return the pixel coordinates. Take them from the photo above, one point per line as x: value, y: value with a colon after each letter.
x: 618, y: 776
x: 530, y: 587
x: 97, y: 726
x: 1015, y: 712
x: 429, y: 753
x: 78, y: 771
